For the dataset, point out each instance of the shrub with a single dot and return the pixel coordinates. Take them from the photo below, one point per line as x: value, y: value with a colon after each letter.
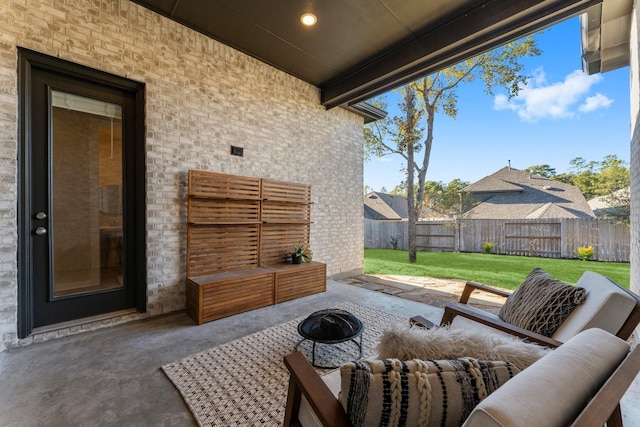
x: 585, y: 252
x: 395, y: 241
x: 486, y: 247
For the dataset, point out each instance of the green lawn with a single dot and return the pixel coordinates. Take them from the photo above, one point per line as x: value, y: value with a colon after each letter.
x: 498, y: 270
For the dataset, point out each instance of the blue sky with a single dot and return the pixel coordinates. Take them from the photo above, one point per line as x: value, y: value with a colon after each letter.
x: 561, y: 114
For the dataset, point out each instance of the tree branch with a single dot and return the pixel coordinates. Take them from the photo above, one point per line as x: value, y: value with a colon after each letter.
x: 392, y: 150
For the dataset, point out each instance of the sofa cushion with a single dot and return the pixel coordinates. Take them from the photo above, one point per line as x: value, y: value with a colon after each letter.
x: 405, y: 343
x: 606, y: 307
x: 541, y: 303
x: 554, y: 390
x: 418, y: 393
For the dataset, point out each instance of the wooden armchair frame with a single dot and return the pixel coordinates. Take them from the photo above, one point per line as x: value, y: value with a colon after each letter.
x: 304, y: 381
x: 605, y: 405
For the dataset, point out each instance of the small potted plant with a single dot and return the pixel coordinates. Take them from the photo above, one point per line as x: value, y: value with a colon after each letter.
x: 300, y: 254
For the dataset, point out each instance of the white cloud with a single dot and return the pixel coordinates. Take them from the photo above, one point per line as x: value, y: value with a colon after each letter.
x: 595, y: 102
x: 540, y: 99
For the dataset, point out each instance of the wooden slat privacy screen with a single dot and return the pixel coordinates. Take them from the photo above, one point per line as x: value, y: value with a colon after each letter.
x: 237, y: 222
x: 277, y: 241
x: 215, y: 248
x: 283, y: 191
x: 220, y: 186
x: 285, y: 213
x: 208, y: 211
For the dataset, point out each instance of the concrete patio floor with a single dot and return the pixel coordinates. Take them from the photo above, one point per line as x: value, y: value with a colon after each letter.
x: 112, y: 377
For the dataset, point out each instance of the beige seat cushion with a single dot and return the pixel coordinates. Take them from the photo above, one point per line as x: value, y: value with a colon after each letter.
x: 554, y: 390
x: 461, y: 322
x: 605, y: 307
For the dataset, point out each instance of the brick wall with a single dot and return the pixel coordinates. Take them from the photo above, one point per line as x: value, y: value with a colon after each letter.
x: 201, y: 97
x: 634, y: 70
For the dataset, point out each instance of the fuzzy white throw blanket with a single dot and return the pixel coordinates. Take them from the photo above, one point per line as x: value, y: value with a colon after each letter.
x: 441, y: 343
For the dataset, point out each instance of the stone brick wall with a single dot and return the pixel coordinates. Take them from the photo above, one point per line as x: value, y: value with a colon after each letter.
x: 634, y: 72
x: 201, y: 97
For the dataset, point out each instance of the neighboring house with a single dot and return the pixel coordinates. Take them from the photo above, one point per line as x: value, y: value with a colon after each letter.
x: 385, y: 207
x: 389, y: 207
x: 514, y: 194
x: 601, y: 205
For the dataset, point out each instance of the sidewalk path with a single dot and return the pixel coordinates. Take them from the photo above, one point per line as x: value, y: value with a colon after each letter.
x: 429, y: 290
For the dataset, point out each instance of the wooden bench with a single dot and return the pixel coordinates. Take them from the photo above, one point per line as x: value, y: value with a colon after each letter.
x: 227, y: 293
x: 223, y: 294
x: 291, y: 281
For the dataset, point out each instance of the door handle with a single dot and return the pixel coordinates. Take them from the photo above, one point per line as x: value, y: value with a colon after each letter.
x: 40, y: 231
x: 41, y: 215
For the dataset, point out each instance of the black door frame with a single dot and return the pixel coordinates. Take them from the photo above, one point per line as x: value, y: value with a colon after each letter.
x: 135, y: 195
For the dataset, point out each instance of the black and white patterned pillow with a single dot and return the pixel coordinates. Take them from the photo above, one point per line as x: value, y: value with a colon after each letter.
x: 429, y: 393
x: 541, y: 303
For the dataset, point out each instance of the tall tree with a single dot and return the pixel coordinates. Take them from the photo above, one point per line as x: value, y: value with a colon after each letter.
x: 399, y: 190
x: 542, y: 170
x: 619, y: 206
x: 407, y: 141
x: 584, y: 176
x: 433, y: 193
x: 613, y: 175
x: 437, y: 94
x: 447, y: 198
x: 455, y: 202
x: 595, y: 178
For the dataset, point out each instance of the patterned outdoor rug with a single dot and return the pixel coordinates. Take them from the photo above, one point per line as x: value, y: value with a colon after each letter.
x: 244, y: 382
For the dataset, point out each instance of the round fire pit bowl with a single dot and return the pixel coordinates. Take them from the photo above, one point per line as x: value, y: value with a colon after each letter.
x: 330, y: 326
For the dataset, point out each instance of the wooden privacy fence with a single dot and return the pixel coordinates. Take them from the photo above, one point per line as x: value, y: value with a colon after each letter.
x: 549, y: 238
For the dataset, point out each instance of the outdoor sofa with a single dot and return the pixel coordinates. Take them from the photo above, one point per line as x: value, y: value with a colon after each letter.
x: 587, y: 325
x: 578, y: 384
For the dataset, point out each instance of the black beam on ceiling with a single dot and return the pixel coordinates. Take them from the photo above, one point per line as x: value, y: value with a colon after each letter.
x: 412, y: 60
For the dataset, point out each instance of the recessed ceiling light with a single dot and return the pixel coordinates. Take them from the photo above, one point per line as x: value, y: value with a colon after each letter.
x: 309, y: 19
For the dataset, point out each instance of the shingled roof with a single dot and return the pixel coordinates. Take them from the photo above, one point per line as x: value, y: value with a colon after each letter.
x: 383, y: 206
x: 514, y: 194
x: 603, y: 204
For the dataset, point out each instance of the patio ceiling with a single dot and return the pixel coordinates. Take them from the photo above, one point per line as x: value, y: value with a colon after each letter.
x: 361, y: 48
x: 605, y: 36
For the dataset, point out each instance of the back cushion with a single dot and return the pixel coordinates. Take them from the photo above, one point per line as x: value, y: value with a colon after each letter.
x: 606, y: 307
x: 418, y: 393
x: 555, y: 389
x: 541, y: 303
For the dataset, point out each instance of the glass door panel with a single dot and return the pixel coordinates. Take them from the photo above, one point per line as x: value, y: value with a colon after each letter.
x: 87, y: 215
